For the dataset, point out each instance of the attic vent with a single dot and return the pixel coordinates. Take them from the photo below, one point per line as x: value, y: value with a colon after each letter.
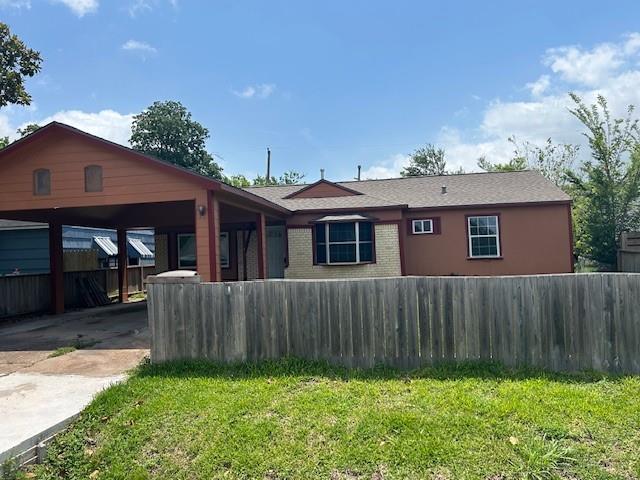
x: 444, y: 189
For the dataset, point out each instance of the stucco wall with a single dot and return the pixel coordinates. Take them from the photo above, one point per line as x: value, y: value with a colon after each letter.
x: 301, y: 256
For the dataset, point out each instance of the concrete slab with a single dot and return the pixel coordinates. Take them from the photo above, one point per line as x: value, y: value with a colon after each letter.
x: 37, y: 390
x: 30, y: 403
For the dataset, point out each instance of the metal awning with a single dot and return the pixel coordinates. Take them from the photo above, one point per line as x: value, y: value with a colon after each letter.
x: 140, y: 247
x: 106, y: 245
x: 344, y: 218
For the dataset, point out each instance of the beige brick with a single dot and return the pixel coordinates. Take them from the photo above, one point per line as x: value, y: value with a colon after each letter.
x: 301, y: 257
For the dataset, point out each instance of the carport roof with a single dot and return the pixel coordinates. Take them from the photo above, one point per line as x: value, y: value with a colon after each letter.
x: 196, y: 178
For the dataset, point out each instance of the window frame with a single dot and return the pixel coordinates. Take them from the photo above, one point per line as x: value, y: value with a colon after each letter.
x: 327, y: 244
x: 36, y: 172
x: 414, y: 221
x: 180, y: 266
x: 497, y: 236
x: 226, y: 264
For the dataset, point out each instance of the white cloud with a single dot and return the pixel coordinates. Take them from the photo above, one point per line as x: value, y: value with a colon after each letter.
x: 138, y: 7
x: 263, y: 90
x: 609, y: 69
x: 589, y: 67
x: 15, y: 4
x: 142, y: 48
x: 80, y: 7
x: 388, y: 168
x: 107, y: 124
x: 540, y: 86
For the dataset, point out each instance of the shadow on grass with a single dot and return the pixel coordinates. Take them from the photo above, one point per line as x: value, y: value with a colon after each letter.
x: 295, y: 367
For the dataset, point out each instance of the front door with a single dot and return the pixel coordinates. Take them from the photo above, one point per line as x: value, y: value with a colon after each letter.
x: 276, y: 253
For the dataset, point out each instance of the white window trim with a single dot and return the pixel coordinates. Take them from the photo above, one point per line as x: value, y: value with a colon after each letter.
x: 422, y: 220
x: 496, y: 235
x: 327, y: 243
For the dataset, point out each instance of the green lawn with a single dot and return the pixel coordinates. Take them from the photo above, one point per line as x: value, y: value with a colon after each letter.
x: 294, y: 419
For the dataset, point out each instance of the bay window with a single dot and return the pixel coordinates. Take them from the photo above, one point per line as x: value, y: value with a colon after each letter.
x: 343, y: 243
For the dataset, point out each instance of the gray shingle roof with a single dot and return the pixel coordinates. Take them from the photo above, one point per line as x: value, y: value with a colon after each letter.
x: 422, y: 192
x: 17, y: 225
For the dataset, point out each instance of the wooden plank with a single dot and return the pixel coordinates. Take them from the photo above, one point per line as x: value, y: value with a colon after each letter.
x: 424, y: 321
x: 413, y: 323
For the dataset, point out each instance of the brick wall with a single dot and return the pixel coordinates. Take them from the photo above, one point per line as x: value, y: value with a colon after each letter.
x: 301, y: 257
x: 162, y: 254
x: 252, y: 256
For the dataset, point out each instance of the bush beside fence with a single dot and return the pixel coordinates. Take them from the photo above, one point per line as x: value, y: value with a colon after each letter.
x: 559, y: 322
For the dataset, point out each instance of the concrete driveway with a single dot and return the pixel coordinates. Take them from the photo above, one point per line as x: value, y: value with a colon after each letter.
x: 38, y: 391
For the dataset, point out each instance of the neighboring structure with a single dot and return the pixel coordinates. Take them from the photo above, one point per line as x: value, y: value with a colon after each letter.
x: 474, y: 224
x: 24, y: 247
x: 468, y: 224
x: 629, y: 252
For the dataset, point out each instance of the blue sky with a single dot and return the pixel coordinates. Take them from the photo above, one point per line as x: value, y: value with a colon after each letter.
x: 330, y: 84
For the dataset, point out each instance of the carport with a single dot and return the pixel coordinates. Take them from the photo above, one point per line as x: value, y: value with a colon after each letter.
x: 60, y: 175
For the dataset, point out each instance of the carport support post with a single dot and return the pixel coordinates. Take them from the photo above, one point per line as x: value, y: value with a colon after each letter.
x: 123, y: 283
x: 261, y: 237
x: 56, y: 267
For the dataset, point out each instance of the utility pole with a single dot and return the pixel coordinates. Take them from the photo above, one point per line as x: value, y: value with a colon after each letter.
x: 268, y: 165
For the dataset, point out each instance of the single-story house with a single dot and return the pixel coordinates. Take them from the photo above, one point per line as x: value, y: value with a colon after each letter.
x: 474, y: 224
x: 466, y: 224
x: 24, y: 246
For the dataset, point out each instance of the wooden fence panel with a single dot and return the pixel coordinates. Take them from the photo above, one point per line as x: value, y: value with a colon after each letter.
x: 558, y: 322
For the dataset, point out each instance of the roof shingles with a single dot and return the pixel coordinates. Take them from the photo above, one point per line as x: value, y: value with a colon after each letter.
x: 472, y: 189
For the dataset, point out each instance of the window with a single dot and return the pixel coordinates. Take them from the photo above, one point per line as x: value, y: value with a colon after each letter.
x: 224, y: 249
x: 349, y: 242
x: 484, y: 236
x: 93, y: 178
x: 422, y: 226
x: 187, y: 250
x: 42, y: 182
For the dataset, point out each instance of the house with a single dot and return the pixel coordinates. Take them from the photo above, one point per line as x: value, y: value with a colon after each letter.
x: 475, y: 224
x: 467, y: 224
x: 24, y: 247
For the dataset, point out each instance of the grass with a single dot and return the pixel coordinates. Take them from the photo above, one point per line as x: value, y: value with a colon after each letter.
x: 78, y: 345
x: 292, y: 419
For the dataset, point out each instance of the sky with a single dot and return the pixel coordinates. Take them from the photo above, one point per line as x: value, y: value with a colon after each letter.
x: 331, y: 84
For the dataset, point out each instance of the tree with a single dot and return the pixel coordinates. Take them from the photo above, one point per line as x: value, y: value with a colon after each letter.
x: 552, y: 160
x: 427, y: 160
x: 516, y: 164
x: 239, y: 181
x: 17, y: 62
x: 290, y: 177
x: 28, y: 129
x: 4, y: 141
x: 607, y: 186
x: 166, y: 130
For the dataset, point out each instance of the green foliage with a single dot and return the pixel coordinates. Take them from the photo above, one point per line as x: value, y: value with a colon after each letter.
x: 606, y: 187
x: 28, y: 129
x: 297, y: 419
x: 514, y: 165
x: 17, y: 62
x: 290, y: 177
x: 552, y: 160
x: 166, y: 130
x: 9, y: 470
x: 4, y: 141
x: 427, y: 160
x: 239, y: 181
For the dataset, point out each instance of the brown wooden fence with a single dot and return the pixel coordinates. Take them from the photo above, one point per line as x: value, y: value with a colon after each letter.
x: 24, y: 294
x: 559, y: 322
